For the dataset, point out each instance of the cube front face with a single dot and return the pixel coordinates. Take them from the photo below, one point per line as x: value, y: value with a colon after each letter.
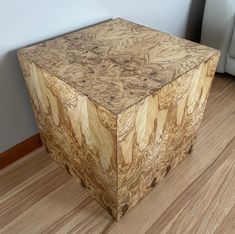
x: 156, y: 134
x: 118, y: 105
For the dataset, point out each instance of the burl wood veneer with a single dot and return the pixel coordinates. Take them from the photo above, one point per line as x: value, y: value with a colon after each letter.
x: 118, y: 105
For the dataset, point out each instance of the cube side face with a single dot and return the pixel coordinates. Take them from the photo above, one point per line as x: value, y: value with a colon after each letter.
x: 79, y: 134
x: 156, y: 134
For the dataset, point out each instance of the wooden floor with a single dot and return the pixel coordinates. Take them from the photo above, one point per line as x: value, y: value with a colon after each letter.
x: 197, y: 197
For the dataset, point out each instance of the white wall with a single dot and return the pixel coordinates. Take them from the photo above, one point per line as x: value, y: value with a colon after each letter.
x: 168, y: 15
x: 182, y: 18
x: 23, y: 22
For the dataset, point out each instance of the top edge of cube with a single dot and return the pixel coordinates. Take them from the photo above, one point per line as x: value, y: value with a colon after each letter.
x: 117, y: 63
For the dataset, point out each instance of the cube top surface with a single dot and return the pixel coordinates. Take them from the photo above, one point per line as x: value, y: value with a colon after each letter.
x: 117, y: 63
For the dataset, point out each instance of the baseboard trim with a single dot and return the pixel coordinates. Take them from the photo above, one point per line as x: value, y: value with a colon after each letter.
x: 20, y: 150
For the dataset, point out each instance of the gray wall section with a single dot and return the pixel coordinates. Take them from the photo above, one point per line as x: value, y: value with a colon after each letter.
x: 196, y: 11
x: 182, y: 18
x: 25, y: 22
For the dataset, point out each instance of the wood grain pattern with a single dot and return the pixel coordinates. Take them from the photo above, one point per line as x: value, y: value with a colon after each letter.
x: 78, y: 134
x: 20, y: 150
x: 117, y: 63
x: 31, y: 201
x: 213, y: 200
x: 118, y: 147
x: 155, y: 135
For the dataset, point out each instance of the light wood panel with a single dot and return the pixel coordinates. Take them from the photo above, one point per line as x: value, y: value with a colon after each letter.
x: 119, y: 143
x: 156, y: 134
x: 31, y: 201
x: 78, y: 134
x: 205, y: 203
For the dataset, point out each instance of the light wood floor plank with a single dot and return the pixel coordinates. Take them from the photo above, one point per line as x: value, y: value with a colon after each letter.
x: 24, y: 199
x: 227, y: 226
x: 203, y: 205
x: 29, y: 166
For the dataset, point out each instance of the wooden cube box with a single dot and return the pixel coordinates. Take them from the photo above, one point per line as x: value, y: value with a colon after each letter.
x: 118, y: 105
